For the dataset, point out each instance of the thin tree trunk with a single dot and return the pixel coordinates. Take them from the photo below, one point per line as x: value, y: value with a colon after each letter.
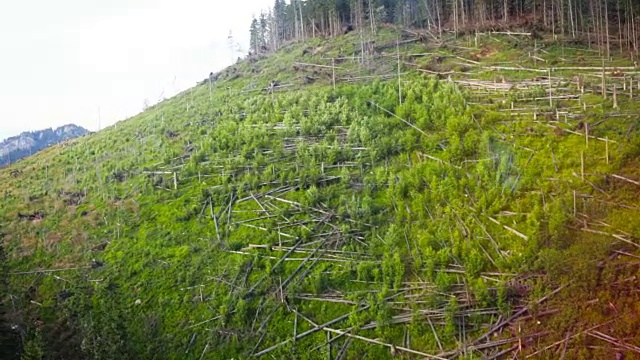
x: 606, y: 17
x: 619, y: 25
x: 301, y: 21
x: 562, y: 27
x: 573, y: 28
x: 372, y: 18
x: 505, y: 8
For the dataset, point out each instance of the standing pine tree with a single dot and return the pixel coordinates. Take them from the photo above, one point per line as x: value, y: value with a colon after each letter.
x: 263, y: 32
x: 280, y: 18
x: 254, y: 36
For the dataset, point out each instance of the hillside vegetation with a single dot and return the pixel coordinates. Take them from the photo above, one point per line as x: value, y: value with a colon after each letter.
x: 468, y: 198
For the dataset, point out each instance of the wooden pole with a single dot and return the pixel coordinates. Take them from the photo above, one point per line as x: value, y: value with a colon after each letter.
x: 586, y: 134
x: 606, y: 147
x: 582, y: 164
x: 627, y: 180
x: 215, y: 220
x: 604, y: 83
x: 550, y: 91
x: 333, y: 68
x: 399, y: 81
x: 295, y: 325
x: 175, y: 181
x: 204, y: 351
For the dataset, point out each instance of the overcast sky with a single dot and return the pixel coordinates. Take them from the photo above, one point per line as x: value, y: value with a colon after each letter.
x: 75, y: 61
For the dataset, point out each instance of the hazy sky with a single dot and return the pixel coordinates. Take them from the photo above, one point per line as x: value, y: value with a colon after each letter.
x: 72, y: 61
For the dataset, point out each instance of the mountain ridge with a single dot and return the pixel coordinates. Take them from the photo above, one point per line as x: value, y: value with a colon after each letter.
x: 28, y: 143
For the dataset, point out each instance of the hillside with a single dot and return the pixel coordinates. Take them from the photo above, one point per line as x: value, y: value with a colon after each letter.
x: 471, y: 197
x: 17, y: 147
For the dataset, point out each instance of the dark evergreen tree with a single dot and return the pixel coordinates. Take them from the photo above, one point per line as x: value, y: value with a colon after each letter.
x: 263, y: 32
x: 254, y: 36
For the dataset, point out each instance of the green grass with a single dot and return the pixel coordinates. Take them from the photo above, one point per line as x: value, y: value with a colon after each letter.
x: 408, y: 233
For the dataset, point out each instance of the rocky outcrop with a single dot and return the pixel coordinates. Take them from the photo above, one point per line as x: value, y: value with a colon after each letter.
x: 28, y: 143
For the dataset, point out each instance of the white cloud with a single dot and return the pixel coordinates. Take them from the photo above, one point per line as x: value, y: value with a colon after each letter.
x: 62, y: 60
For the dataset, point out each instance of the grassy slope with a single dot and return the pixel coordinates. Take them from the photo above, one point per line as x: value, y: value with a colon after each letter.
x: 402, y: 245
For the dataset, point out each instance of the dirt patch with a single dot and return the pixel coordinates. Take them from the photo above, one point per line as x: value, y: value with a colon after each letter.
x: 38, y: 215
x: 72, y: 198
x: 52, y: 240
x: 484, y: 52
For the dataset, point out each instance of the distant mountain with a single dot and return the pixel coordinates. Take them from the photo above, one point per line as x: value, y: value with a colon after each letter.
x: 28, y: 143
